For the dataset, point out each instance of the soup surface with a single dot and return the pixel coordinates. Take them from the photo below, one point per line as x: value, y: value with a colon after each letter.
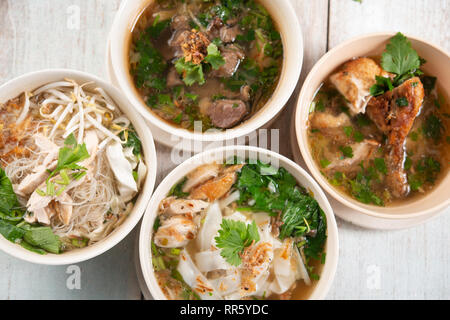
x: 205, y: 64
x: 380, y: 133
x: 70, y: 165
x: 238, y: 231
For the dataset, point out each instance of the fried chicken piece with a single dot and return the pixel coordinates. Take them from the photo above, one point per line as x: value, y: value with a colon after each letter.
x: 394, y: 114
x: 354, y: 80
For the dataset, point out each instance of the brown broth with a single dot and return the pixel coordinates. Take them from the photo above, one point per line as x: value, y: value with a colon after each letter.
x: 181, y: 105
x: 325, y: 144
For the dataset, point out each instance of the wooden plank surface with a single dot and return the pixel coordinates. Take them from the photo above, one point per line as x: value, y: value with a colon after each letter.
x: 406, y: 264
x: 411, y: 263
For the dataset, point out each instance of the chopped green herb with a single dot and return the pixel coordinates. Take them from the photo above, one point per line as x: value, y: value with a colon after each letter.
x: 234, y: 237
x: 347, y: 151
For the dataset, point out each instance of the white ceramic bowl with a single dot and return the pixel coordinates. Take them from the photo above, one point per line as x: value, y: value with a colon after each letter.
x: 34, y: 80
x: 438, y: 64
x: 287, y: 22
x: 220, y: 154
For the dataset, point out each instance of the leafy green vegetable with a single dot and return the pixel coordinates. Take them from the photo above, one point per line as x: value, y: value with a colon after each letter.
x: 358, y: 136
x: 360, y: 189
x: 8, y: 199
x: 399, y: 57
x: 10, y: 231
x: 401, y: 102
x: 427, y: 170
x: 190, y: 72
x: 348, y: 131
x: 177, y: 189
x: 324, y: 163
x: 347, y: 151
x: 151, y: 66
x: 234, y: 237
x: 133, y: 141
x: 157, y: 27
x: 382, y: 85
x: 433, y: 127
x: 214, y: 57
x: 380, y: 165
x: 275, y: 191
x: 428, y: 83
x: 43, y: 237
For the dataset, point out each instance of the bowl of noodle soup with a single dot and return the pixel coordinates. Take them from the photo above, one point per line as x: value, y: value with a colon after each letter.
x: 78, y: 167
x: 185, y: 231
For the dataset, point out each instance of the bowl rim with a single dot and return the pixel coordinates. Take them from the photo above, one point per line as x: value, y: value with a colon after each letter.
x: 285, y: 87
x: 302, y: 141
x: 80, y: 255
x: 332, y: 245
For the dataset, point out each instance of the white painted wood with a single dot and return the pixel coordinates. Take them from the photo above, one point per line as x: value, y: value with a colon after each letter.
x: 412, y: 263
x: 35, y: 35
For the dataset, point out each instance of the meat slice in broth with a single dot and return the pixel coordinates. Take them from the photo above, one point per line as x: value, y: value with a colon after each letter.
x: 227, y: 113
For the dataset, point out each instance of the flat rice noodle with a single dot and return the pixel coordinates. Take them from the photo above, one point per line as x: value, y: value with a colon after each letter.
x: 210, y: 260
x: 195, y: 279
x: 284, y: 270
x: 229, y: 284
x: 302, y: 272
x: 210, y: 227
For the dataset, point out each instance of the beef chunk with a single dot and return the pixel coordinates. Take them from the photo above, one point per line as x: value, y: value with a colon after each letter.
x: 233, y: 57
x: 227, y: 113
x: 180, y: 22
x: 173, y: 78
x: 394, y: 114
x: 228, y: 34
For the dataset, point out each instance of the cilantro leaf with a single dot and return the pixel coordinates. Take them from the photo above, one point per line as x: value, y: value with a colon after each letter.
x: 347, y: 151
x: 190, y: 72
x: 234, y: 237
x: 399, y: 57
x: 381, y: 86
x: 214, y: 57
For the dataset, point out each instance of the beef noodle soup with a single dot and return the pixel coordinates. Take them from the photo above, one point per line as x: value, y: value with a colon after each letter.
x: 379, y: 130
x: 238, y: 231
x: 216, y: 62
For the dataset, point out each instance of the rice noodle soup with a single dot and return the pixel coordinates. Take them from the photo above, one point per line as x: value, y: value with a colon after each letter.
x: 243, y: 230
x: 213, y: 62
x: 379, y: 129
x: 71, y: 167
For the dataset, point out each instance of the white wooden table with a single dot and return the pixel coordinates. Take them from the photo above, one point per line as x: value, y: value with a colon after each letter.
x: 407, y: 264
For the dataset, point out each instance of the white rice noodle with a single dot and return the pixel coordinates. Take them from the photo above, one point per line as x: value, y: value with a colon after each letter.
x: 302, y: 272
x: 122, y: 171
x: 230, y: 199
x: 195, y: 279
x: 142, y: 172
x: 229, y: 285
x: 25, y: 109
x: 210, y: 260
x: 209, y: 229
x: 284, y: 270
x: 237, y: 216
